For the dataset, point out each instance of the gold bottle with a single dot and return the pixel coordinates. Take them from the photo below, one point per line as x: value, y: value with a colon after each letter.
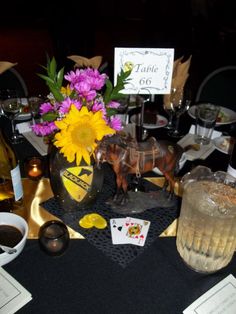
x: 11, y: 190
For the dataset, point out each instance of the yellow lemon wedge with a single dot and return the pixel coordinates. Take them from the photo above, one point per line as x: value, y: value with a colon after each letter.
x: 93, y: 220
x: 86, y: 222
x: 98, y: 221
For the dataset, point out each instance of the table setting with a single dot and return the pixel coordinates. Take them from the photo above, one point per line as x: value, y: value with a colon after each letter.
x: 87, y: 255
x: 161, y: 218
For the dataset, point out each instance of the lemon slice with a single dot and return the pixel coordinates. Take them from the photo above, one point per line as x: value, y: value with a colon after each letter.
x: 93, y: 220
x: 98, y: 221
x: 86, y: 222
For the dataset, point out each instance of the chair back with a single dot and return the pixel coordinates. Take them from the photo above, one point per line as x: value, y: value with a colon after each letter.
x: 219, y: 87
x: 12, y: 80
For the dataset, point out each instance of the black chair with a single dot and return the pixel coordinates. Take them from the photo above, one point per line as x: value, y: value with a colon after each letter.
x: 219, y: 87
x: 12, y: 80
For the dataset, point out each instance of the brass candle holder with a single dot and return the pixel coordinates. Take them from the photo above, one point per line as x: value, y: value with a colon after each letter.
x: 34, y: 168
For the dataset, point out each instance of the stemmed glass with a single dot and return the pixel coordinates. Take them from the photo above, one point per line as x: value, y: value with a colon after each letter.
x: 11, y: 109
x: 169, y: 110
x: 34, y: 103
x: 178, y: 105
x: 181, y: 110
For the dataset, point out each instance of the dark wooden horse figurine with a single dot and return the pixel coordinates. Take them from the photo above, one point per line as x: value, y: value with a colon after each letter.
x: 127, y: 156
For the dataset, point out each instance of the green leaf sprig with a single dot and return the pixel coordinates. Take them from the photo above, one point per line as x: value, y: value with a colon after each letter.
x: 53, y: 78
x: 113, y: 93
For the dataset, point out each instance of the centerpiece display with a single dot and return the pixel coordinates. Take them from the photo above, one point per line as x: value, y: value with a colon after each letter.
x: 74, y: 120
x: 127, y: 157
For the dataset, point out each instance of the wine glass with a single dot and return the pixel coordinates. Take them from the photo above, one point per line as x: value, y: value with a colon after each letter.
x: 34, y: 104
x: 167, y: 106
x: 179, y: 105
x: 11, y: 109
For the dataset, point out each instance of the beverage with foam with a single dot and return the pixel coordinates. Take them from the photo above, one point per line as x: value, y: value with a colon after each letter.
x: 206, y: 235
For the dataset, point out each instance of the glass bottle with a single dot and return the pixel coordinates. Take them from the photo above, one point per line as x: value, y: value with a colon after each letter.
x: 11, y: 190
x: 232, y: 162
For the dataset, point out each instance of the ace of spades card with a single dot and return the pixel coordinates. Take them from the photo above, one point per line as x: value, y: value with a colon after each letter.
x: 116, y: 225
x: 135, y: 231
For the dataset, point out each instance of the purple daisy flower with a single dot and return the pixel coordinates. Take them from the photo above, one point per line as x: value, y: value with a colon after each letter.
x: 45, y: 108
x: 116, y: 123
x: 44, y: 128
x: 113, y: 104
x: 66, y: 104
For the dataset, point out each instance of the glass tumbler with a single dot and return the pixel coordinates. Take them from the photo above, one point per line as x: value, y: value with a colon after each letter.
x: 206, y: 117
x: 54, y: 237
x: 206, y: 233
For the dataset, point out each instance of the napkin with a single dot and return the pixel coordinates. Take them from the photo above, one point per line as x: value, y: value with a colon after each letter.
x: 204, y: 151
x: 179, y: 77
x: 36, y: 141
x: 5, y: 65
x: 81, y: 62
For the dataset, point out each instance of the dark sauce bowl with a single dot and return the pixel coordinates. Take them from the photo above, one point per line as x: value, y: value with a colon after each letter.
x: 15, y: 232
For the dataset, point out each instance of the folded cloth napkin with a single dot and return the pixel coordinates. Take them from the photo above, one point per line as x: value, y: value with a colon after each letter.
x: 81, y: 62
x: 179, y: 77
x: 5, y: 65
x: 204, y: 150
x: 36, y: 141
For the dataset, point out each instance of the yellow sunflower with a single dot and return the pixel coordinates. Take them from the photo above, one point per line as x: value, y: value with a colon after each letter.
x: 79, y: 132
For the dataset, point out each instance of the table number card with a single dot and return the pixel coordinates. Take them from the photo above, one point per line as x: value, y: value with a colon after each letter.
x: 151, y: 69
x: 219, y: 299
x: 13, y: 295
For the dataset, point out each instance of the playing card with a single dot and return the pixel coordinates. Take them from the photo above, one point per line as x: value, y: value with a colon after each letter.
x: 135, y: 230
x: 116, y: 225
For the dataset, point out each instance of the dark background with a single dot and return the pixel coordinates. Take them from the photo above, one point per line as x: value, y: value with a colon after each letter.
x: 204, y: 28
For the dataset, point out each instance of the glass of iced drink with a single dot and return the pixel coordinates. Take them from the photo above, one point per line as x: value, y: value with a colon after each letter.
x: 206, y: 117
x: 206, y: 234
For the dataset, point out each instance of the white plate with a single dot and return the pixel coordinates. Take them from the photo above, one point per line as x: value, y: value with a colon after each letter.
x: 161, y: 121
x: 222, y: 143
x: 229, y: 115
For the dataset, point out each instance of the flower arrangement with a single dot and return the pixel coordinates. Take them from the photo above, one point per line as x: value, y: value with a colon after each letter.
x: 78, y: 115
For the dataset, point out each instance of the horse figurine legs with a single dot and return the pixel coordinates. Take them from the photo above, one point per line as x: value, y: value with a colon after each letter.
x: 169, y: 182
x: 121, y: 197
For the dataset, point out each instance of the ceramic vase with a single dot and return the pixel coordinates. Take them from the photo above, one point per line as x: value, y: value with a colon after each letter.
x: 74, y: 187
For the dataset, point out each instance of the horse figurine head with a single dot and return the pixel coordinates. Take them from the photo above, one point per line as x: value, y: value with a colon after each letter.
x: 105, y: 146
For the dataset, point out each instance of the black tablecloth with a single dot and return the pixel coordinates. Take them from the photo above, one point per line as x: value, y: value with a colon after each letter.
x: 85, y: 281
